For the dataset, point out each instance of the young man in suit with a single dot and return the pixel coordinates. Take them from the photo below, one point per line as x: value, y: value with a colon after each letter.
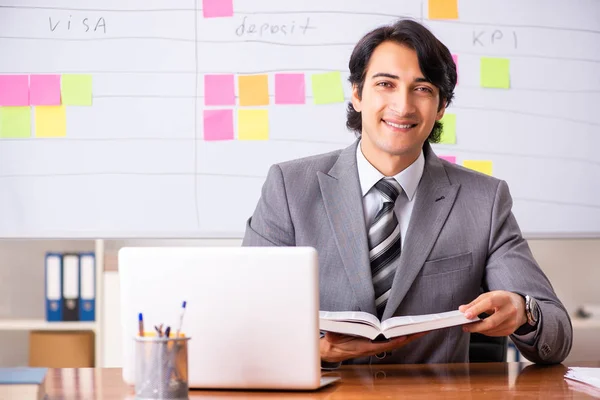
x: 401, y: 232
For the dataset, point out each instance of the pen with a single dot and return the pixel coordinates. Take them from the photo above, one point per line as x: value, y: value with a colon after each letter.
x: 181, y: 319
x: 141, y: 324
x: 172, y: 356
x: 179, y: 331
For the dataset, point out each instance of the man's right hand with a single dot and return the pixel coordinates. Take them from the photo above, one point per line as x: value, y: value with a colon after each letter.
x: 335, y: 347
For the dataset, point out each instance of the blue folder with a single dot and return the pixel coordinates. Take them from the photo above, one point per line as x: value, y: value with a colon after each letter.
x: 53, y: 288
x: 87, y: 286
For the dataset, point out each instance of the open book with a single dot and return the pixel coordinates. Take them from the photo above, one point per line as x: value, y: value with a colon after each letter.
x: 358, y: 323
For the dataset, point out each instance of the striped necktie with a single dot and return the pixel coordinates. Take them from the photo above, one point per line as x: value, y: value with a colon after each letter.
x: 384, y: 242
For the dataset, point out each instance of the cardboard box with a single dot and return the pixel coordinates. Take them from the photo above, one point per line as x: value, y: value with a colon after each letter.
x: 61, y: 349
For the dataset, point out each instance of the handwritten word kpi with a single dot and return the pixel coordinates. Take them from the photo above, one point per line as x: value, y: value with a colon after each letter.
x: 249, y: 27
x: 78, y: 24
x: 495, y: 38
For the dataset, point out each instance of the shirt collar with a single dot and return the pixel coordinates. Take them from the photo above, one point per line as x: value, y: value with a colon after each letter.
x: 408, y: 178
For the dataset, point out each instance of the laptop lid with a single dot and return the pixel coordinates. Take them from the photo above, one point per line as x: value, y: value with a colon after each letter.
x: 252, y: 312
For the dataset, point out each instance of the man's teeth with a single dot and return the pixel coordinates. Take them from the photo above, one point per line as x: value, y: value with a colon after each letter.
x: 399, y: 126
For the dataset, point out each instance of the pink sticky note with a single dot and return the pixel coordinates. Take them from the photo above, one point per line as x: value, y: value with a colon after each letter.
x: 219, y: 90
x: 14, y: 90
x: 455, y: 58
x: 217, y: 8
x: 290, y: 89
x: 218, y: 125
x: 451, y: 159
x: 44, y: 90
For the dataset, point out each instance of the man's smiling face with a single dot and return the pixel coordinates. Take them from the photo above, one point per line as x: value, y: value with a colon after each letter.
x: 398, y: 105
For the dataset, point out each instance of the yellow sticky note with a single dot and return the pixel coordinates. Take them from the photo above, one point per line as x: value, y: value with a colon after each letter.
x: 50, y: 121
x: 76, y: 90
x: 327, y: 88
x: 254, y: 90
x: 495, y: 72
x: 253, y: 124
x: 479, y: 165
x: 15, y: 122
x: 449, y: 131
x: 443, y: 9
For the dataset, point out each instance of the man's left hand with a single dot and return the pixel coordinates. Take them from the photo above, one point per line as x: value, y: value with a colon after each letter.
x: 506, y: 309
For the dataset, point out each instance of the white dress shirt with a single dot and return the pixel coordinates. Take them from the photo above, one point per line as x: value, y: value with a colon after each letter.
x: 409, y: 179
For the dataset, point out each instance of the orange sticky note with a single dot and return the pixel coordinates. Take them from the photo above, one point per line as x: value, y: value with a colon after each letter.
x: 443, y: 9
x: 482, y: 166
x: 254, y: 90
x: 50, y: 121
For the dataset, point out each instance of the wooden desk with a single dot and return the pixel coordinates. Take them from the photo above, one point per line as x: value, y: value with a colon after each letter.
x: 450, y: 381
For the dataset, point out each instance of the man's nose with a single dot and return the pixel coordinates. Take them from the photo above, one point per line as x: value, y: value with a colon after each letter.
x: 402, y: 101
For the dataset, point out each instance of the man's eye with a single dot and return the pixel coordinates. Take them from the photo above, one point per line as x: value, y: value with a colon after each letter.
x: 384, y: 84
x: 424, y: 89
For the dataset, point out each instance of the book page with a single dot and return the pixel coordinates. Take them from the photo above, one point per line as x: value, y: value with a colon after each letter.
x: 417, y: 319
x: 351, y: 316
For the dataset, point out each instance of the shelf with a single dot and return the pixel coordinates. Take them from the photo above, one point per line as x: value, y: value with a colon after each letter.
x: 43, y: 325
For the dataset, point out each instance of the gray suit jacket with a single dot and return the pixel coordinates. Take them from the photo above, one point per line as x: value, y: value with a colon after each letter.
x: 462, y: 239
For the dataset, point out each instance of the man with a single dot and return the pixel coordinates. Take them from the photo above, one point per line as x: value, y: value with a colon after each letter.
x: 400, y: 231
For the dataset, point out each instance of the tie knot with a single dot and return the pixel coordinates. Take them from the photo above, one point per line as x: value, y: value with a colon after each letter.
x: 389, y: 188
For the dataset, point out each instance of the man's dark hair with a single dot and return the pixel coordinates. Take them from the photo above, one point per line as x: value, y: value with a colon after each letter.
x: 435, y: 62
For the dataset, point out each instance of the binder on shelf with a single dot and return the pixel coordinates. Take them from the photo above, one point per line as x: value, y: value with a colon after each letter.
x: 54, y: 306
x: 70, y: 287
x: 87, y: 294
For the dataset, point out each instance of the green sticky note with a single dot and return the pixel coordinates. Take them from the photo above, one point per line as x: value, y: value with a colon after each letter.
x: 327, y: 88
x: 495, y: 72
x: 449, y: 131
x: 15, y: 122
x: 76, y: 90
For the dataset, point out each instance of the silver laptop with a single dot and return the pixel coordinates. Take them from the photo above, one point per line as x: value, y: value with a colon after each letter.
x: 251, y: 312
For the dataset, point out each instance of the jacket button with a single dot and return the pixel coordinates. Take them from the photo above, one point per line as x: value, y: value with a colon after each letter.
x: 545, y: 349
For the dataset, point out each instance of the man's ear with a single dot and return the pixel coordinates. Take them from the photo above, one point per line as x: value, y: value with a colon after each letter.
x: 356, y: 103
x: 440, y: 112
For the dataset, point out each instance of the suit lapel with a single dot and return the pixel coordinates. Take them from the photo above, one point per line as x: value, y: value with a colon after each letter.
x: 343, y: 203
x: 434, y: 199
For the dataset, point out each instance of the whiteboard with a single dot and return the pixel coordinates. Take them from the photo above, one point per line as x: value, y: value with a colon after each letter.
x: 136, y: 164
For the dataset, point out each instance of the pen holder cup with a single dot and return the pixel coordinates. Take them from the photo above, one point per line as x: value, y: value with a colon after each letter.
x: 161, y: 368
